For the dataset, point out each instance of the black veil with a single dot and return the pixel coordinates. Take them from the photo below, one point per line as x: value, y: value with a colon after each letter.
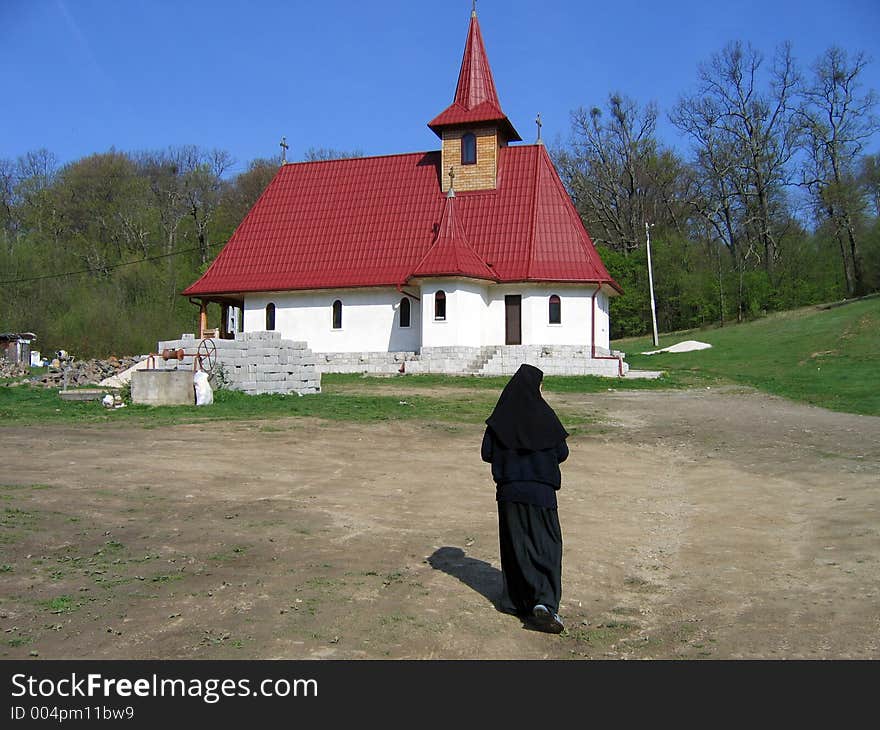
x: 522, y: 419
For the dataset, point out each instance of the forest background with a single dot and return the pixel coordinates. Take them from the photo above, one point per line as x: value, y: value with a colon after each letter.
x: 771, y: 203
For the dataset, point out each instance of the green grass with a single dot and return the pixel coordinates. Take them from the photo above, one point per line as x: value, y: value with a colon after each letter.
x: 340, y: 382
x: 28, y: 405
x: 826, y: 357
x: 61, y: 604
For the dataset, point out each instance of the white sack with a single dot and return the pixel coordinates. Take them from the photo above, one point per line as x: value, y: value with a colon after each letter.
x: 204, y: 393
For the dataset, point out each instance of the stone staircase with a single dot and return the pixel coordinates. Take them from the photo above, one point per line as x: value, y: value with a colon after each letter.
x: 487, y: 354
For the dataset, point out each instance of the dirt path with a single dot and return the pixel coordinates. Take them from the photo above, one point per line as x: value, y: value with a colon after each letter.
x: 696, y: 524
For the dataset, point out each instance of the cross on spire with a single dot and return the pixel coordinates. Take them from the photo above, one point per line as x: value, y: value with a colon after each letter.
x: 474, y: 9
x: 284, y: 147
x: 538, y: 122
x: 451, y: 193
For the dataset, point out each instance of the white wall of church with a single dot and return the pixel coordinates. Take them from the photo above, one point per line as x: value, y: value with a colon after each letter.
x: 576, y: 315
x: 370, y: 319
x: 575, y: 319
x: 603, y: 321
x: 465, y: 304
x: 476, y: 316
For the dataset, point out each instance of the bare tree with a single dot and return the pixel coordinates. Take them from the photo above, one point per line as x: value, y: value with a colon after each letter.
x: 244, y: 190
x: 744, y: 136
x: 616, y: 173
x: 7, y: 197
x: 202, y: 177
x: 35, y: 173
x: 838, y: 120
x: 870, y: 180
x: 318, y: 154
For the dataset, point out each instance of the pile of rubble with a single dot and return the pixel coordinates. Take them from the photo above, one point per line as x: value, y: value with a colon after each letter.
x: 74, y: 373
x: 9, y: 369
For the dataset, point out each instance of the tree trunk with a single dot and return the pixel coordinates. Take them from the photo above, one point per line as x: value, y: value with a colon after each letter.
x: 858, y: 274
x: 848, y: 275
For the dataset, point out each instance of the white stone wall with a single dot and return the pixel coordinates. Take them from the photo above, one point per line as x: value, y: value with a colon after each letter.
x: 370, y: 319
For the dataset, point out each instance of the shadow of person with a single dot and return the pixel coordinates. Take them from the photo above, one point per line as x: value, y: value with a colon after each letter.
x: 480, y: 576
x: 476, y: 574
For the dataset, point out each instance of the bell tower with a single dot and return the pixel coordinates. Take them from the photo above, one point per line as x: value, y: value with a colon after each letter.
x: 473, y: 128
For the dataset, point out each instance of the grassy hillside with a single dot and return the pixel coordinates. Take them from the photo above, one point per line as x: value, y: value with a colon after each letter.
x: 828, y: 357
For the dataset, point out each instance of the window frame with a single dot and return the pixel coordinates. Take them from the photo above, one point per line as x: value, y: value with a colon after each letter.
x: 270, y: 317
x: 558, y: 303
x: 469, y: 145
x: 400, y: 310
x: 439, y: 296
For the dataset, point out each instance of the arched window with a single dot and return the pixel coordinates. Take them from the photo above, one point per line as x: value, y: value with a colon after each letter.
x: 404, y: 312
x: 270, y: 316
x: 337, y: 314
x: 440, y: 305
x: 469, y: 149
x: 555, y: 310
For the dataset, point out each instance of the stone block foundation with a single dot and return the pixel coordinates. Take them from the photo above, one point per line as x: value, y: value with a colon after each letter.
x: 490, y: 360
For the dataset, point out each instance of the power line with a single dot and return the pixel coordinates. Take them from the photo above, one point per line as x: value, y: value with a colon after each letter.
x: 107, y: 268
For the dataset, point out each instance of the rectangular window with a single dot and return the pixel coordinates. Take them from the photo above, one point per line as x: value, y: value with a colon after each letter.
x: 469, y: 149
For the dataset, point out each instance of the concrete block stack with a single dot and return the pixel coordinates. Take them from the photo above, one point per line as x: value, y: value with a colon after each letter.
x: 254, y: 362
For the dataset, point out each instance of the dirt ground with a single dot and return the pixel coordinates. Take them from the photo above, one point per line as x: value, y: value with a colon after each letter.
x: 710, y: 524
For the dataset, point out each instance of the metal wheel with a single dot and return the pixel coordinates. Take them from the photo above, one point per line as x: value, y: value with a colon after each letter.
x: 206, y: 355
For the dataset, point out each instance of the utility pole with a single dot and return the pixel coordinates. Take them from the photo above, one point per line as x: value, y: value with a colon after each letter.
x: 651, y: 282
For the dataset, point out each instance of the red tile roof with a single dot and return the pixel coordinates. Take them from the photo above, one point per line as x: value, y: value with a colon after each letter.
x: 373, y: 221
x: 476, y: 99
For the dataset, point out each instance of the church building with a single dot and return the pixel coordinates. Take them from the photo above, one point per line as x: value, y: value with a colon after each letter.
x: 468, y: 259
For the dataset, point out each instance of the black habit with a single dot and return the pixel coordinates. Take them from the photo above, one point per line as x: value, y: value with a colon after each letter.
x: 525, y: 443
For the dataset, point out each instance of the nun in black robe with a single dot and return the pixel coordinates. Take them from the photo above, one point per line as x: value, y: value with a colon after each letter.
x: 525, y: 443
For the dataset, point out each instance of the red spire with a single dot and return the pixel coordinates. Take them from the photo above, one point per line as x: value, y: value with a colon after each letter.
x: 475, y: 82
x: 451, y: 254
x: 476, y: 99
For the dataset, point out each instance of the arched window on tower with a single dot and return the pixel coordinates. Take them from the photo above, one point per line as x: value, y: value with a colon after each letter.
x: 440, y: 305
x: 555, y: 310
x: 270, y: 316
x: 337, y: 314
x: 469, y: 149
x: 404, y: 312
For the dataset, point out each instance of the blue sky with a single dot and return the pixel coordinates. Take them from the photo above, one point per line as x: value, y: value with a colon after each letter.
x: 82, y: 76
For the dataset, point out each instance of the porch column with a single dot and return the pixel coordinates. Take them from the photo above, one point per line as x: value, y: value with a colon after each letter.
x: 203, y: 318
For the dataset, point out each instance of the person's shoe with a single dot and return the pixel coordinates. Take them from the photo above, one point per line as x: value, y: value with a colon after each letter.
x: 546, y: 620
